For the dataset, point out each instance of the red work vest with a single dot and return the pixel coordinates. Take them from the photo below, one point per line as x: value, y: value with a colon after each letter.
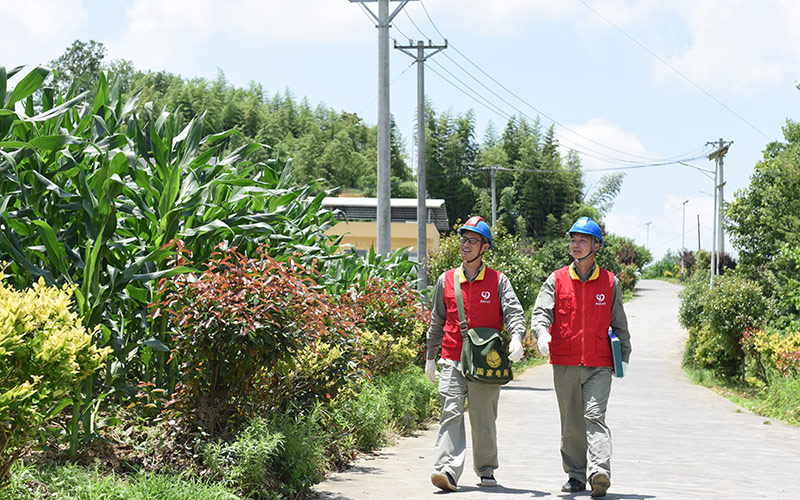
x: 581, y: 318
x: 481, y: 308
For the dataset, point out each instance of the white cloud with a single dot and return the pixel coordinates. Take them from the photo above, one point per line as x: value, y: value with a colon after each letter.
x: 600, y: 142
x: 740, y: 47
x: 37, y: 27
x: 733, y: 47
x: 493, y: 18
x: 159, y: 32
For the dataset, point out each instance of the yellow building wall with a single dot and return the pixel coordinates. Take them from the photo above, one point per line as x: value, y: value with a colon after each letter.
x: 361, y: 235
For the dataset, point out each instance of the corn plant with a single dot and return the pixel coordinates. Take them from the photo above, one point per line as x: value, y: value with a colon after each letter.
x: 93, y: 190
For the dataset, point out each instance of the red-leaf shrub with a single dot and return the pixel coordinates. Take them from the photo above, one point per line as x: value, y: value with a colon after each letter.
x: 237, y: 318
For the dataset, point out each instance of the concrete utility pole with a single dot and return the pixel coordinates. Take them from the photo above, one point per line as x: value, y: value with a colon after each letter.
x: 384, y: 215
x: 719, y: 200
x: 647, y: 238
x: 422, y: 211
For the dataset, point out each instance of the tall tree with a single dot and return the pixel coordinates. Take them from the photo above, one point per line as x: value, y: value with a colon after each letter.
x: 79, y: 67
x: 451, y: 158
x: 766, y: 213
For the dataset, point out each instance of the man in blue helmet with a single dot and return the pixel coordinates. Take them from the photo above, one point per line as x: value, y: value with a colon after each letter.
x: 489, y: 301
x: 573, y: 312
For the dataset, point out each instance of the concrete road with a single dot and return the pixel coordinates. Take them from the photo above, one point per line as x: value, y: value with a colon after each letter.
x: 671, y: 438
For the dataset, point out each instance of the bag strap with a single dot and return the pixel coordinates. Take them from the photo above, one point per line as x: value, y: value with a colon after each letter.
x: 462, y: 320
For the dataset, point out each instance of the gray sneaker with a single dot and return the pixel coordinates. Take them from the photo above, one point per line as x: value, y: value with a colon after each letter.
x: 488, y: 481
x: 573, y: 486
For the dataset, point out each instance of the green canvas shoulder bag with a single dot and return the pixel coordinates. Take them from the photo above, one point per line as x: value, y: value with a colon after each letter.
x: 484, y: 351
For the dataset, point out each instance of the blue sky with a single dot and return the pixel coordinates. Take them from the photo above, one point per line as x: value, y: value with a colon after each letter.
x: 625, y: 82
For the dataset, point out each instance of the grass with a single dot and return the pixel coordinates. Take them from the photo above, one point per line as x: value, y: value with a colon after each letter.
x: 271, y: 459
x: 780, y: 400
x: 88, y: 483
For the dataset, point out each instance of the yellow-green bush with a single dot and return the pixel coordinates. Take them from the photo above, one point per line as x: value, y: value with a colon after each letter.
x: 45, y: 352
x: 773, y: 350
x: 385, y: 354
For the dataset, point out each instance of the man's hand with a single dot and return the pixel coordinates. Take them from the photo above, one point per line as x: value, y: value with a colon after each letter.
x: 515, y: 350
x: 624, y: 368
x: 430, y: 370
x: 544, y: 343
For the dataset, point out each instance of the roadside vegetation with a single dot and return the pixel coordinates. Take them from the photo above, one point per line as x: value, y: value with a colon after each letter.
x: 176, y: 321
x: 744, y: 330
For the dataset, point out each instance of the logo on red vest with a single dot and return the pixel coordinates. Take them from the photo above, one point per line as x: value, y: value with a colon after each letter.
x: 601, y: 299
x: 485, y: 297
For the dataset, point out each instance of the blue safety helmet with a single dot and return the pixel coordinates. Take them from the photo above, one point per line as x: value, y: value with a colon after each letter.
x: 477, y: 225
x: 586, y: 225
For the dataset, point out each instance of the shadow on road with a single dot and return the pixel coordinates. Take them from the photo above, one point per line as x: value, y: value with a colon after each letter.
x: 519, y: 388
x: 499, y: 489
x: 609, y: 496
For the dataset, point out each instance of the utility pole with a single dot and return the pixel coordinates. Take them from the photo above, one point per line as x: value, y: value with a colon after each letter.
x: 719, y: 200
x: 384, y: 210
x: 422, y: 211
x: 698, y: 232
x: 493, y: 175
x: 683, y: 235
x: 647, y: 240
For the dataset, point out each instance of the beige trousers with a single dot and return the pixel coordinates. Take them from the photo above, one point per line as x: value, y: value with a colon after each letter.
x: 451, y: 443
x: 582, y: 393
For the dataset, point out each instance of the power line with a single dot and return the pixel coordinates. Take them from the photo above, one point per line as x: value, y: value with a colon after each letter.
x: 579, y: 148
x: 393, y: 82
x: 665, y: 63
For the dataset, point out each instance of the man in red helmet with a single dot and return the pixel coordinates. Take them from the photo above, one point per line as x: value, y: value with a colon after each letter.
x: 489, y: 301
x: 573, y: 312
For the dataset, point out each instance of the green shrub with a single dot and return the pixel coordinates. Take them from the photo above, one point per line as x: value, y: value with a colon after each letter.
x: 783, y: 398
x: 702, y: 261
x: 731, y: 307
x: 364, y: 413
x: 391, y: 309
x: 693, y: 299
x: 659, y: 269
x: 281, y: 457
x: 302, y: 462
x: 411, y: 397
x: 45, y: 352
x: 384, y: 354
x: 627, y: 277
x: 245, y: 463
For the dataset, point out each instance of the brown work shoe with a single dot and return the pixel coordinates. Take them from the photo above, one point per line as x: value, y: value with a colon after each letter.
x: 600, y: 483
x: 444, y: 481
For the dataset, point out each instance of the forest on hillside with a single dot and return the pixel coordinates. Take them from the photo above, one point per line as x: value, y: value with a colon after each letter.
x: 539, y: 191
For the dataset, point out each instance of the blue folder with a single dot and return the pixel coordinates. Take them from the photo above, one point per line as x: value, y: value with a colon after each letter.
x: 616, y: 351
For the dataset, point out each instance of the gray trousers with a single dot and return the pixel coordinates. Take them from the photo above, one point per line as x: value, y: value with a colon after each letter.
x: 582, y: 393
x: 451, y: 443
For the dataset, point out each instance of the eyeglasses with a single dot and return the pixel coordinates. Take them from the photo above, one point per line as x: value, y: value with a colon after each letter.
x: 471, y: 241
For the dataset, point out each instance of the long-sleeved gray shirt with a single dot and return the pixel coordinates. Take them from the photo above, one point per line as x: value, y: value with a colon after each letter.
x: 513, y: 315
x: 542, y: 316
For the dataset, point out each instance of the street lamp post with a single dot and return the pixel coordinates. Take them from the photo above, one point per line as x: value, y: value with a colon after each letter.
x: 707, y: 172
x: 683, y: 235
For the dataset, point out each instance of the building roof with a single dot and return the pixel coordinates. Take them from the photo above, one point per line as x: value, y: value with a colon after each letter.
x: 402, y: 210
